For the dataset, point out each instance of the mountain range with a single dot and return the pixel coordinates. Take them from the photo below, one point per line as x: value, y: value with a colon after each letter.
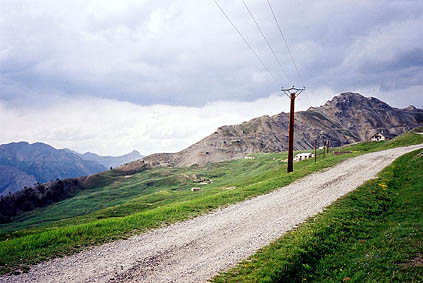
x: 347, y: 118
x: 23, y: 164
x: 109, y: 161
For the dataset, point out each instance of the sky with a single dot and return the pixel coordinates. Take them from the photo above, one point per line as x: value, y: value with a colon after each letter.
x: 158, y: 75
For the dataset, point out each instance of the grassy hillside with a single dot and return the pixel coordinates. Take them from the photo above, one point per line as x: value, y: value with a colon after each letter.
x: 132, y: 204
x: 374, y: 234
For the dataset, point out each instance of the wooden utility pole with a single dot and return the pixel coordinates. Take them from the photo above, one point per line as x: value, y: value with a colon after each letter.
x: 315, y: 150
x: 292, y: 93
x: 291, y: 135
x: 327, y: 146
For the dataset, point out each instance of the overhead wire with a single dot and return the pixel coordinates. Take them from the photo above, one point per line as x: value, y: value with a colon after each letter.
x: 267, y: 41
x: 285, y: 42
x: 245, y: 40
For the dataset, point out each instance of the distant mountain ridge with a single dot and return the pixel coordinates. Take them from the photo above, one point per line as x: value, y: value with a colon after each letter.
x: 23, y: 164
x: 348, y: 117
x: 41, y: 161
x: 111, y: 161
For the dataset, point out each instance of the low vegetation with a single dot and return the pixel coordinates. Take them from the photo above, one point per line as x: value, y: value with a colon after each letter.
x: 149, y: 199
x: 374, y: 234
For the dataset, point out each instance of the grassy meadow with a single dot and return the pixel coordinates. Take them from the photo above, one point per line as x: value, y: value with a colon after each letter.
x: 373, y: 234
x: 150, y: 199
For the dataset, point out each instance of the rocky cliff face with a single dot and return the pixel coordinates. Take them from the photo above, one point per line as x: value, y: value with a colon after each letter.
x: 347, y: 118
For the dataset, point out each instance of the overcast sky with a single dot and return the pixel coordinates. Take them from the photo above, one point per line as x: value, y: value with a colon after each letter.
x: 111, y: 76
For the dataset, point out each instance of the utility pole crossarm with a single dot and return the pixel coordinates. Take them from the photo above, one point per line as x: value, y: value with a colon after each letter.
x: 289, y: 91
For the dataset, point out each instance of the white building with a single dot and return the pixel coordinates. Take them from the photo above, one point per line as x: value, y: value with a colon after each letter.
x: 382, y: 137
x: 303, y: 156
x: 250, y: 157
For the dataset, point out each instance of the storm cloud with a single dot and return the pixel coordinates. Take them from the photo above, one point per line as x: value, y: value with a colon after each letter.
x: 185, y: 54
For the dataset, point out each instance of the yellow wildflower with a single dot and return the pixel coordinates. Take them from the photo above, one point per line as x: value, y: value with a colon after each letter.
x: 383, y: 186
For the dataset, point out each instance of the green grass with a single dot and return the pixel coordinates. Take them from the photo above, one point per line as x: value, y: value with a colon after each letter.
x: 374, y: 234
x: 150, y: 199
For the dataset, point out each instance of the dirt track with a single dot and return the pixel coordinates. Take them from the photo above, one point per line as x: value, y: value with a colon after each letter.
x: 195, y: 250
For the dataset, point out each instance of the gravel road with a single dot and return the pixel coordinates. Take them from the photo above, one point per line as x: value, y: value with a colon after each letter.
x: 195, y: 250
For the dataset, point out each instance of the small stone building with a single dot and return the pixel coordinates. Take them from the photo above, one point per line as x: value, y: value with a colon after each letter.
x: 382, y: 136
x: 303, y: 156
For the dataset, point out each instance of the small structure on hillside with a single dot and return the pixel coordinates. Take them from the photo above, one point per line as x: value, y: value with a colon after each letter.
x: 382, y: 136
x: 250, y: 157
x: 303, y: 156
x: 195, y: 189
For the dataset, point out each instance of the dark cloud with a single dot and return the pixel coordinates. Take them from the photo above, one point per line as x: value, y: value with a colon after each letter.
x: 186, y: 53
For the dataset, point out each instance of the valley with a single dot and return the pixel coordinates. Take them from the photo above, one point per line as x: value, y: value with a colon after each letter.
x: 152, y: 198
x: 211, y: 241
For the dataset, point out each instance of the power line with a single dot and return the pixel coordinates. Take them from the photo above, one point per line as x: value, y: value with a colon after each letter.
x: 267, y: 42
x: 245, y: 40
x: 284, y: 40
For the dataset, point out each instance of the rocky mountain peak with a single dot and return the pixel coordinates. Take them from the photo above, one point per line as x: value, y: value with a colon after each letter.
x: 349, y: 100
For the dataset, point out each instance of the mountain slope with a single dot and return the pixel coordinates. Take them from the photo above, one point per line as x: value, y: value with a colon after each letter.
x: 39, y: 162
x: 204, y: 239
x: 112, y: 161
x: 348, y: 117
x: 13, y: 179
x: 366, y: 116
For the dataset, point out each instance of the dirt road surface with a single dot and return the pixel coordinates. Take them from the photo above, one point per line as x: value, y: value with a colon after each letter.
x: 195, y: 250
